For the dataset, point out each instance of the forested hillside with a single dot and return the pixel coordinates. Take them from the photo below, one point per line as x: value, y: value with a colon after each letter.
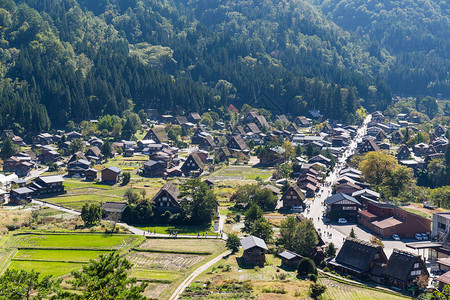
x: 415, y: 32
x: 73, y: 60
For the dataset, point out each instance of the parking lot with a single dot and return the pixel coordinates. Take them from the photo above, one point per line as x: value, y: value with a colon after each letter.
x: 363, y: 234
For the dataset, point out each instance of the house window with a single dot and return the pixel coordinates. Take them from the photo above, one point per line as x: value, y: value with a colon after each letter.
x: 441, y: 225
x: 348, y: 208
x: 416, y: 265
x: 416, y: 272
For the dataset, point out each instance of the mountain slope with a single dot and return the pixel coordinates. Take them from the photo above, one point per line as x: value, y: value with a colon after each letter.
x: 75, y: 60
x: 416, y: 32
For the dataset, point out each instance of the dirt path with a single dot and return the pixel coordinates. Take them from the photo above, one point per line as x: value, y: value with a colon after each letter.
x: 194, y: 274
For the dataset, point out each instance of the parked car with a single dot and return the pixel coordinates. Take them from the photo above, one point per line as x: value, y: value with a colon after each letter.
x: 342, y: 220
x: 418, y: 236
x: 396, y: 237
x: 424, y: 236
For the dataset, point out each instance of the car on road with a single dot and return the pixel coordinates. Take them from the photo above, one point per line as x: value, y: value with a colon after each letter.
x: 418, y: 236
x: 396, y: 237
x: 424, y: 236
x: 342, y: 220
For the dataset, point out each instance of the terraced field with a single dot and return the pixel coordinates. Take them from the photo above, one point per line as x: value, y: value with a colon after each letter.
x: 55, y: 269
x: 94, y: 241
x: 58, y: 255
x: 188, y: 245
x: 165, y: 261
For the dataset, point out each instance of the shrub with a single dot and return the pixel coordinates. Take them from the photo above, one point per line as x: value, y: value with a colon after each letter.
x: 274, y: 290
x: 233, y: 242
x: 317, y: 289
x: 313, y: 277
x: 306, y: 266
x: 256, y: 268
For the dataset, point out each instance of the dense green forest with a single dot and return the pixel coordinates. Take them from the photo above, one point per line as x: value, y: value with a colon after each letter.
x: 416, y: 32
x: 74, y: 60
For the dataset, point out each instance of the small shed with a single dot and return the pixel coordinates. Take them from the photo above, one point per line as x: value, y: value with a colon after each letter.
x: 255, y: 250
x: 91, y: 174
x: 111, y: 175
x: 290, y: 259
x: 113, y: 208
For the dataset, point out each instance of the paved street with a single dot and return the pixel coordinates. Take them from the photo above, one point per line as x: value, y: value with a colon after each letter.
x: 317, y: 208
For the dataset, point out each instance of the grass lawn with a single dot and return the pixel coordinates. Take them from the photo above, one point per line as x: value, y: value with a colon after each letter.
x: 188, y: 245
x: 95, y: 241
x: 182, y: 229
x: 45, y: 268
x: 59, y: 255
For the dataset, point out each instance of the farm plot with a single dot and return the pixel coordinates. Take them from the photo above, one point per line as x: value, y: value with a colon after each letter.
x: 181, y: 229
x: 184, y: 245
x: 55, y: 269
x: 242, y: 173
x: 58, y: 255
x: 90, y: 241
x: 157, y: 291
x: 165, y: 261
x: 163, y: 276
x: 339, y: 291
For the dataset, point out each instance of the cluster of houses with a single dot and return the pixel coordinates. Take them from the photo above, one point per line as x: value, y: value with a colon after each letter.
x: 42, y: 186
x: 416, y: 157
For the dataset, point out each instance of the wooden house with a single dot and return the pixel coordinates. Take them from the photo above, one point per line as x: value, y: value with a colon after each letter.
x: 194, y: 117
x: 222, y: 154
x: 167, y: 199
x: 403, y: 152
x: 94, y: 154
x: 153, y: 168
x: 293, y: 197
x: 52, y: 184
x: 111, y: 175
x: 403, y: 268
x: 91, y: 174
x: 110, y: 208
x: 302, y: 121
x: 368, y: 146
x: 342, y: 206
x: 361, y: 259
x: 19, y: 194
x: 237, y: 143
x: 193, y: 164
x: 290, y: 259
x: 78, y: 167
x: 157, y: 134
x: 255, y: 250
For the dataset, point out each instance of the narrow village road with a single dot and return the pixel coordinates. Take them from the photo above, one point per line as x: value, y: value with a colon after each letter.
x: 317, y: 206
x: 36, y: 173
x: 57, y: 207
x: 194, y: 274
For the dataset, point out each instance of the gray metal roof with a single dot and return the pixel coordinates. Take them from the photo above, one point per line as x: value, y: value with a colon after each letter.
x: 253, y: 241
x: 115, y: 169
x: 51, y: 179
x: 23, y: 190
x: 289, y: 255
x: 340, y: 196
